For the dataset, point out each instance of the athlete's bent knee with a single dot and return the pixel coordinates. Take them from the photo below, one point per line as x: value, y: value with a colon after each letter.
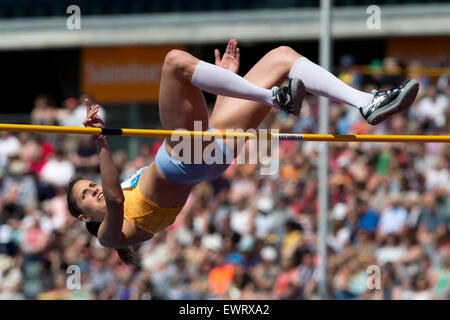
x: 283, y: 57
x: 179, y: 62
x: 176, y: 58
x: 286, y: 51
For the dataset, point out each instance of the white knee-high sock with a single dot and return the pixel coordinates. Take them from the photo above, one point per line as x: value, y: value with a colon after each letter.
x: 219, y: 81
x: 319, y: 81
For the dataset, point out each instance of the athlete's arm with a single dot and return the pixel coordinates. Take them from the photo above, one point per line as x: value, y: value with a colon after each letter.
x: 110, y: 231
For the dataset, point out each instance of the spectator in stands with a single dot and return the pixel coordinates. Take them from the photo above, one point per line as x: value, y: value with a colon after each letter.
x: 44, y: 111
x: 266, y: 273
x: 392, y: 72
x: 85, y: 159
x: 420, y: 290
x: 307, y: 275
x: 18, y: 189
x: 432, y: 220
x: 29, y: 149
x: 442, y: 280
x: 393, y: 218
x: 432, y: 109
x: 58, y: 170
x: 75, y: 115
x: 10, y: 278
x: 9, y: 144
x: 65, y: 114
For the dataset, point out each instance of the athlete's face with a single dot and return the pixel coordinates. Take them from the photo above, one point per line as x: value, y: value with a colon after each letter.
x: 88, y: 196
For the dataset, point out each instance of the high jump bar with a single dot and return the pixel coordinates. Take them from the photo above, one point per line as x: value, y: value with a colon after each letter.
x: 250, y: 135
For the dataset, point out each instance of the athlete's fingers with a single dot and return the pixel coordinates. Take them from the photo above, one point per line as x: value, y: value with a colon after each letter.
x: 232, y: 48
x: 217, y: 55
x: 235, y: 46
x: 229, y: 46
x: 238, y: 54
x: 96, y: 109
x: 87, y: 122
x: 96, y: 119
x: 87, y: 102
x: 91, y: 111
x: 98, y: 123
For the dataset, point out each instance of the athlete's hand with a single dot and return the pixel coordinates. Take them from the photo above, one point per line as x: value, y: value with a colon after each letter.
x: 231, y: 57
x: 93, y: 120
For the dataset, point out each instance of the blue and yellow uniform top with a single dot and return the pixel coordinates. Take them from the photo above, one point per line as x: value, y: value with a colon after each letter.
x: 144, y: 213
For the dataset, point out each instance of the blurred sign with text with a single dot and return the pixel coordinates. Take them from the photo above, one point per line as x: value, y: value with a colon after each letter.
x: 123, y: 74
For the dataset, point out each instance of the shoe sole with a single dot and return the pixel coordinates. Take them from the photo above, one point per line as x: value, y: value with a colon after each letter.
x: 403, y: 101
x: 297, y: 94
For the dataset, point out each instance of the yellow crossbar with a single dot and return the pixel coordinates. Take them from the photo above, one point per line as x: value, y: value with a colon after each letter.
x: 169, y: 133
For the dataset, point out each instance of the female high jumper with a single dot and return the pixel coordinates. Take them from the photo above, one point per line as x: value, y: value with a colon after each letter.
x: 124, y: 214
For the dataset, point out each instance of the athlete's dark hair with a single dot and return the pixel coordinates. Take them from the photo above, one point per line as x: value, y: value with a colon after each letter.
x: 127, y: 254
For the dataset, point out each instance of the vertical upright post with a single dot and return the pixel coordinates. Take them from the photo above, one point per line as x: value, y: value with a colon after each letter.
x: 324, y: 60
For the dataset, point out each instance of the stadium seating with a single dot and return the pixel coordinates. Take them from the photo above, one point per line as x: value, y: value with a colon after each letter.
x: 41, y: 8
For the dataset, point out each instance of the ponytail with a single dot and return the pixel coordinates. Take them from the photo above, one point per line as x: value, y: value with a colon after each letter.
x: 127, y: 255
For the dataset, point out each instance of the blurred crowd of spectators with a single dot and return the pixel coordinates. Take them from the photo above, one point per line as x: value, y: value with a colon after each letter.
x: 243, y: 235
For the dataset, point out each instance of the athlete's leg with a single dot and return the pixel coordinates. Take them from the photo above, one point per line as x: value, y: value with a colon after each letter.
x: 272, y: 70
x: 375, y: 107
x: 321, y: 82
x: 180, y: 103
x: 285, y: 62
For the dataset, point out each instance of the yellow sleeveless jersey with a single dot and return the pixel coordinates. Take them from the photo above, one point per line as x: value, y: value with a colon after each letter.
x: 144, y: 213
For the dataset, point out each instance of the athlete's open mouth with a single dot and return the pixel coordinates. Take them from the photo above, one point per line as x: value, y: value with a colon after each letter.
x: 100, y: 196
